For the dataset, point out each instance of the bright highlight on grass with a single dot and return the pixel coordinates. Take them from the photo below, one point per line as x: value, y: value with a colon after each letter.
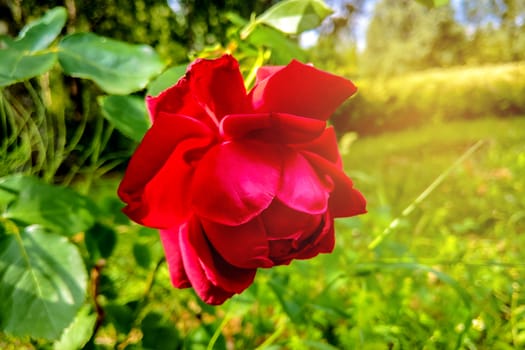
x: 410, y: 208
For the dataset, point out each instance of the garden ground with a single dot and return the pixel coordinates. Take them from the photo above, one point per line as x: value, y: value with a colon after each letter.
x: 448, y: 273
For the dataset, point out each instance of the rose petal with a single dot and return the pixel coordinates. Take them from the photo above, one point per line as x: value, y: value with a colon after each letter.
x: 158, y: 173
x: 265, y: 72
x: 218, y: 86
x: 300, y: 188
x: 344, y: 200
x: 271, y: 127
x: 177, y: 99
x: 236, y: 181
x: 170, y: 242
x: 321, y: 240
x: 282, y: 222
x: 213, y: 279
x: 166, y: 197
x: 303, y: 90
x: 326, y: 146
x: 243, y: 246
x: 324, y: 241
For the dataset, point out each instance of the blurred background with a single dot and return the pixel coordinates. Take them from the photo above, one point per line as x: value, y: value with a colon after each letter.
x: 438, y: 52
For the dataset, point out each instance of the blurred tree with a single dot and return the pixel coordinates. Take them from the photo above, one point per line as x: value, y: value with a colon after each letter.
x: 480, y: 12
x: 497, y: 28
x: 404, y: 35
x: 341, y: 24
x: 336, y: 47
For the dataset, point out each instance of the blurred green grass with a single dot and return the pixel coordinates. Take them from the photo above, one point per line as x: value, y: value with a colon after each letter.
x: 449, y: 276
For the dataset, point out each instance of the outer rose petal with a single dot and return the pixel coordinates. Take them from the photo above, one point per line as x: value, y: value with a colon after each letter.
x: 177, y: 99
x: 218, y: 86
x: 271, y: 127
x: 344, y: 200
x: 303, y: 90
x: 213, y: 279
x: 165, y: 201
x: 156, y: 180
x: 236, y: 181
x: 170, y: 242
x: 265, y: 72
x: 243, y: 246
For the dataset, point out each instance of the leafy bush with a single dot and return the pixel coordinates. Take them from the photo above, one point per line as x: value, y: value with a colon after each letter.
x: 435, y: 95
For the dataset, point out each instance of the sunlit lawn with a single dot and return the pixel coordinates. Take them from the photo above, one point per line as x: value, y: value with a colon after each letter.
x: 451, y: 272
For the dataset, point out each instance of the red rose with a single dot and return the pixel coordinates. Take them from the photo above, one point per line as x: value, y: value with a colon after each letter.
x: 235, y: 180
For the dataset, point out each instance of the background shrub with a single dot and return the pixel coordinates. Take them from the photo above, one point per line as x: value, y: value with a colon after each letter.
x: 434, y: 95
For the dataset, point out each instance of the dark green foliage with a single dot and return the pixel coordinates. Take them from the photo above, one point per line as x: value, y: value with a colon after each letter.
x: 158, y: 333
x: 100, y: 241
x: 59, y: 209
x: 152, y: 22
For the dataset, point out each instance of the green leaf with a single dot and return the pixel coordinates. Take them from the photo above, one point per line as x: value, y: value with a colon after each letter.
x: 159, y: 333
x: 117, y: 67
x: 166, y: 79
x: 16, y: 65
x: 100, y: 241
x: 7, y: 195
x: 295, y: 16
x: 283, y: 48
x: 59, y: 209
x: 22, y: 58
x: 79, y: 332
x: 142, y: 255
x: 42, y: 283
x: 289, y: 304
x: 127, y: 113
x: 39, y: 34
x: 122, y: 316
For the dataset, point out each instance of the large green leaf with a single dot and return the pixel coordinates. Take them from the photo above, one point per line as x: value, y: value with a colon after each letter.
x: 39, y: 34
x: 283, y: 48
x: 117, y: 67
x: 79, y: 332
x: 127, y: 113
x: 7, y: 195
x: 59, y: 209
x: 23, y: 58
x: 42, y: 283
x: 166, y: 79
x: 295, y: 16
x: 18, y: 65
